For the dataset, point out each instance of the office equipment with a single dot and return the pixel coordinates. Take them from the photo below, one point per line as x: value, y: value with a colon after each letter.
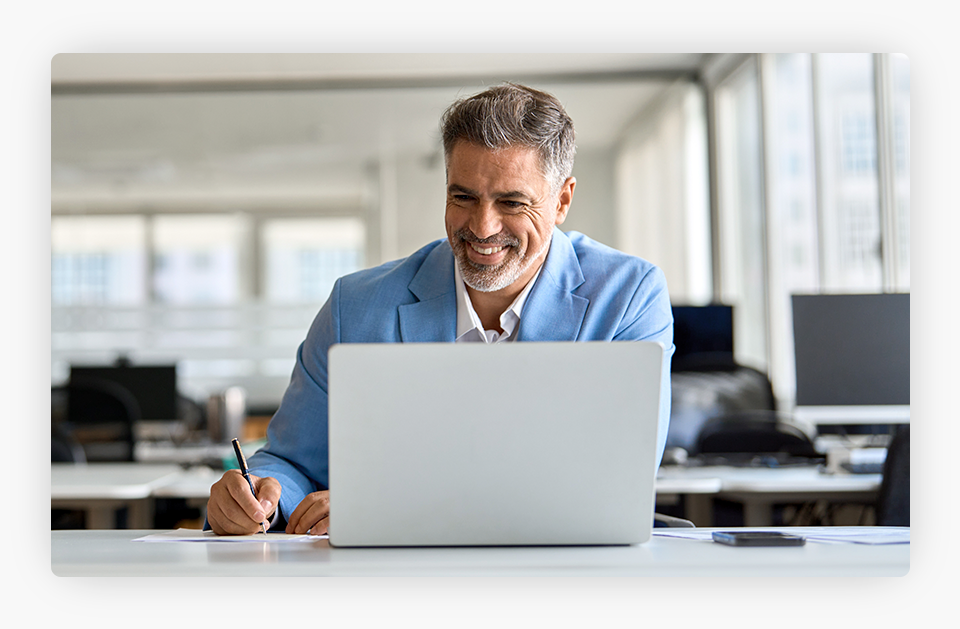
x: 667, y: 553
x: 852, y: 359
x: 226, y: 412
x: 702, y: 334
x: 95, y: 414
x: 153, y: 386
x: 486, y: 444
x: 242, y: 462
x: 754, y: 539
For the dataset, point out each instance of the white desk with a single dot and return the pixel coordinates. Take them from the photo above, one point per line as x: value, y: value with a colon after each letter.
x: 102, y: 488
x: 113, y: 553
x: 758, y: 489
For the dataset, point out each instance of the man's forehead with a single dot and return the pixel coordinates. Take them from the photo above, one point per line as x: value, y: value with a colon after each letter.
x: 515, y: 161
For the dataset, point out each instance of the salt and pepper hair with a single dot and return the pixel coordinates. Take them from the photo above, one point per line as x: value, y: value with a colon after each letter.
x: 511, y: 115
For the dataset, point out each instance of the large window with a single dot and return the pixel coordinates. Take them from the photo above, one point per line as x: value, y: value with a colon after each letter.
x: 197, y: 259
x: 98, y: 260
x: 847, y: 137
x: 812, y: 172
x: 742, y: 255
x: 304, y: 257
x: 226, y: 296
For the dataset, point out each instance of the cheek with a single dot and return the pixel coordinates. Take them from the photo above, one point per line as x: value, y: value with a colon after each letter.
x: 452, y: 218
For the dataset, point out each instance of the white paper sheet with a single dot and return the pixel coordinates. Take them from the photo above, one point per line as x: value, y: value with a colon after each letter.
x: 196, y: 535
x: 827, y: 535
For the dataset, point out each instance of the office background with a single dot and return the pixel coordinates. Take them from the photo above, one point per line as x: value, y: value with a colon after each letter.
x: 762, y: 26
x: 202, y: 205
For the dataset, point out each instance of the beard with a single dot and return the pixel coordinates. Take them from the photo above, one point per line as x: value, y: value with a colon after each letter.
x: 487, y: 278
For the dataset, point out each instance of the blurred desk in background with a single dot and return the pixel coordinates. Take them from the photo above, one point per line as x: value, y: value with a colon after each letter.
x: 100, y: 489
x: 758, y: 489
x: 183, y: 453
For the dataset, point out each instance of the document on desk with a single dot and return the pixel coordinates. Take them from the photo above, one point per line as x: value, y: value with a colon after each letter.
x: 870, y: 535
x: 196, y: 535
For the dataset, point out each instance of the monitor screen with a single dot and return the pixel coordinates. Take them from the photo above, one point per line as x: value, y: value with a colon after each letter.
x: 702, y: 334
x: 153, y: 386
x: 852, y: 358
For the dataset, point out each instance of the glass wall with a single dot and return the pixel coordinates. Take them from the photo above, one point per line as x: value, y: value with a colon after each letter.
x: 198, y: 290
x: 742, y: 254
x: 813, y: 189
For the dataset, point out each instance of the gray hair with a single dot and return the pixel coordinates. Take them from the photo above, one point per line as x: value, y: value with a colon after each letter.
x: 514, y: 115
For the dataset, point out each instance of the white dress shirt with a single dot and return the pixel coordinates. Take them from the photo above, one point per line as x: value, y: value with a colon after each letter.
x: 469, y: 327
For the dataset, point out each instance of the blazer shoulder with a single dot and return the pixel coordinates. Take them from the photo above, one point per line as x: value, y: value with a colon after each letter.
x: 599, y: 261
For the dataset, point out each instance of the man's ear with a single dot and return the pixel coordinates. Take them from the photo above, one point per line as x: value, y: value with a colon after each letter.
x: 564, y: 199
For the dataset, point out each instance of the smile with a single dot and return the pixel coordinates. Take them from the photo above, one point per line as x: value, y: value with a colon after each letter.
x: 485, y: 250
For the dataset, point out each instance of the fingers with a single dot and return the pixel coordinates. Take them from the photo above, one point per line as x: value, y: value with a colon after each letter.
x: 311, y: 515
x: 268, y: 493
x: 232, y: 508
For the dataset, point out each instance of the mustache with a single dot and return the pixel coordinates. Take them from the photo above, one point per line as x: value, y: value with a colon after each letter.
x: 498, y: 240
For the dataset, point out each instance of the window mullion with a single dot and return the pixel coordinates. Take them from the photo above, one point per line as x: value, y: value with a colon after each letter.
x: 888, y: 221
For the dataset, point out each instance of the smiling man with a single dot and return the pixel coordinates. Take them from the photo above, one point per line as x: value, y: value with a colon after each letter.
x: 505, y: 273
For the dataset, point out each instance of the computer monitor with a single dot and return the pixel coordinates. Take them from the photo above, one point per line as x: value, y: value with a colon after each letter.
x: 153, y: 386
x: 852, y: 358
x: 702, y: 335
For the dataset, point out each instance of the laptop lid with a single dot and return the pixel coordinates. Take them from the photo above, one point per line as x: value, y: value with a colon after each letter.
x: 508, y: 444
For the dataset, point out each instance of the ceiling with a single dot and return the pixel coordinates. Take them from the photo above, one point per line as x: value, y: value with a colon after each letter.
x: 158, y: 124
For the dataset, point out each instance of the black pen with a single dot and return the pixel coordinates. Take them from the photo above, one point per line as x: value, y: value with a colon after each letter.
x: 243, y: 470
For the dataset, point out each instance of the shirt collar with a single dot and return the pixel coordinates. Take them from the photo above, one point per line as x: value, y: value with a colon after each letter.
x: 469, y: 327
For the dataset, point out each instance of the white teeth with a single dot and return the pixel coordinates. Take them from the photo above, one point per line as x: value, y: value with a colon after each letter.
x: 485, y: 252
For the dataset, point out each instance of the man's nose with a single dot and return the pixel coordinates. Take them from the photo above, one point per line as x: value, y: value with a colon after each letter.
x: 485, y: 221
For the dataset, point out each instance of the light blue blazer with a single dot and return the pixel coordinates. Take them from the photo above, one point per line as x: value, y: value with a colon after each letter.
x: 586, y: 292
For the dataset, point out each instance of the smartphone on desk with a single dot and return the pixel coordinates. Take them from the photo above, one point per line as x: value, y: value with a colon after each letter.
x: 757, y: 538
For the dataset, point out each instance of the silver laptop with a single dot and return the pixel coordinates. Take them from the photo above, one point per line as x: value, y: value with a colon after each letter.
x: 490, y: 445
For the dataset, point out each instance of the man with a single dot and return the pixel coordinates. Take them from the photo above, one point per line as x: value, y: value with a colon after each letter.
x: 504, y: 273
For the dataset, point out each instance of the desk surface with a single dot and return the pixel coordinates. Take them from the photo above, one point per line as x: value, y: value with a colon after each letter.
x: 114, y: 553
x: 123, y: 481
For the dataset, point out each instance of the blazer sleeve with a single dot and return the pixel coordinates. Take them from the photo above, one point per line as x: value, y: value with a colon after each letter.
x: 296, y: 449
x: 650, y: 318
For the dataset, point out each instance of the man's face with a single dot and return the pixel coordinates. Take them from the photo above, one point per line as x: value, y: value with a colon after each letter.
x: 500, y: 214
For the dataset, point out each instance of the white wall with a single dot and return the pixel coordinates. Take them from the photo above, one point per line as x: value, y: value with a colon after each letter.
x: 662, y: 201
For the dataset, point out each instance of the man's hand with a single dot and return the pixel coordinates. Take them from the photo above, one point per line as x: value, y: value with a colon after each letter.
x: 312, y: 514
x: 232, y: 509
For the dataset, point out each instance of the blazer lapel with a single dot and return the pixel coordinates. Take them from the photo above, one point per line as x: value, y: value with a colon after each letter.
x: 552, y: 311
x: 433, y: 319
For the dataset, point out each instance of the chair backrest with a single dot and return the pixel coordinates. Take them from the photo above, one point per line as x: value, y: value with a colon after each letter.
x: 713, y: 390
x: 893, y: 500
x: 754, y: 432
x: 98, y: 415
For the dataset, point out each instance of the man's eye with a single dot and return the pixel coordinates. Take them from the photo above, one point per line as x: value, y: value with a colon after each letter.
x: 463, y: 198
x: 513, y: 205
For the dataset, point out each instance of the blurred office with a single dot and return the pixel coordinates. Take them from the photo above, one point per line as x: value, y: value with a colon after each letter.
x: 203, y: 205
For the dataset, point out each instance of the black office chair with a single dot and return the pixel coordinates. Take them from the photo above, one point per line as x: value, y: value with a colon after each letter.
x: 97, y: 415
x: 749, y: 434
x: 63, y: 447
x: 893, y: 501
x: 708, y: 387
